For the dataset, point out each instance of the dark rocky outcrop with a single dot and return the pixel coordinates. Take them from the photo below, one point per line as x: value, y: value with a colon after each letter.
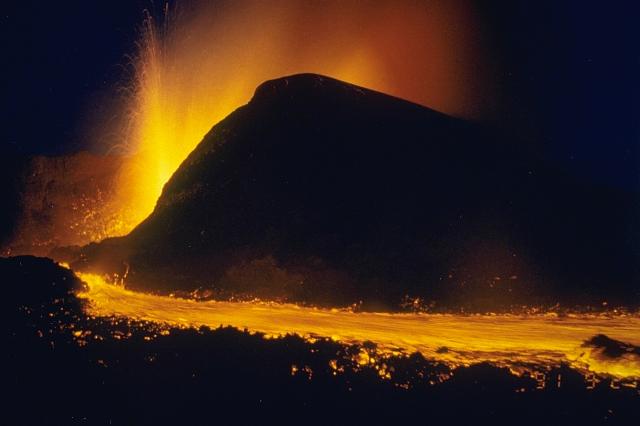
x: 612, y: 348
x: 53, y: 201
x: 325, y: 192
x: 35, y: 280
x: 12, y: 167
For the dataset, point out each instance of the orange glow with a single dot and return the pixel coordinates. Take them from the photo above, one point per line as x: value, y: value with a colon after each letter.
x: 523, y: 343
x: 207, y: 58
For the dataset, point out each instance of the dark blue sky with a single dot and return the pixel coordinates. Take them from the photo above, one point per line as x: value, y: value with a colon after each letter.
x: 573, y: 69
x: 570, y: 73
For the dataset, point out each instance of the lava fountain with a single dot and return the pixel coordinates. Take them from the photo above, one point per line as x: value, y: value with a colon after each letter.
x: 198, y: 62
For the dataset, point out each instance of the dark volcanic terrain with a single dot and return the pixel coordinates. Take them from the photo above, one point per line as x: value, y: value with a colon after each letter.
x: 323, y: 192
x: 54, y: 201
x: 64, y: 367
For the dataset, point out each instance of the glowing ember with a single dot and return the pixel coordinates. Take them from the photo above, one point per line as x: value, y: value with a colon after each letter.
x: 519, y: 342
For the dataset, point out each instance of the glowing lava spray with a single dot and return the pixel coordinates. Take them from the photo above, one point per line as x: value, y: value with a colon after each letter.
x: 197, y: 63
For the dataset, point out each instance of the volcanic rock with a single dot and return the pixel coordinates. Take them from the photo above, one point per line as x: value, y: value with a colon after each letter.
x: 324, y: 192
x: 54, y: 201
x: 612, y: 348
x: 12, y: 166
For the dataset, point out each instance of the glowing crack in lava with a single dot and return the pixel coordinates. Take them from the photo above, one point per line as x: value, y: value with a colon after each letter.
x: 519, y: 342
x: 201, y: 61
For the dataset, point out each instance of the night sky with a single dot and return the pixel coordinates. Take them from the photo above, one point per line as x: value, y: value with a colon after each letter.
x: 569, y: 74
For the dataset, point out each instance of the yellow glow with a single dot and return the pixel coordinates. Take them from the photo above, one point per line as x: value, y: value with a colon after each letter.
x: 518, y: 342
x: 196, y: 66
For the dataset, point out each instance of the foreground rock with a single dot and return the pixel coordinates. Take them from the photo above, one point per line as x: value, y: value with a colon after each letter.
x: 324, y: 192
x: 66, y: 368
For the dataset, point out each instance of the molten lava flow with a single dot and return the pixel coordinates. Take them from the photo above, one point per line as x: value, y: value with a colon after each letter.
x: 206, y: 58
x: 519, y: 342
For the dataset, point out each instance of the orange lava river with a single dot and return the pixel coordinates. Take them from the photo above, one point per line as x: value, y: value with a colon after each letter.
x: 519, y: 342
